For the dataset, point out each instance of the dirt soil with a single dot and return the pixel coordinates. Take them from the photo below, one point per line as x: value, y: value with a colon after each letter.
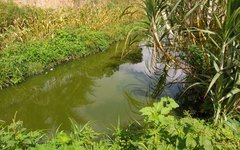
x: 51, y: 3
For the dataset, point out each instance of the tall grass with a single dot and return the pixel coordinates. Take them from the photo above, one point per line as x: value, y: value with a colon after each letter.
x: 224, y: 87
x: 20, y: 24
x: 215, y: 32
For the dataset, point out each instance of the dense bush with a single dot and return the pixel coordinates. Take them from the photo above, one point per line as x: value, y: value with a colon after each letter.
x: 160, y: 130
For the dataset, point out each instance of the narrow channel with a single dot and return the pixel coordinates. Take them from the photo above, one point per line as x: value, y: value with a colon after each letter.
x: 100, y: 88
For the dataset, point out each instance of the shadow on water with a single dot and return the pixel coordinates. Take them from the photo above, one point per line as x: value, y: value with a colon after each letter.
x: 100, y: 88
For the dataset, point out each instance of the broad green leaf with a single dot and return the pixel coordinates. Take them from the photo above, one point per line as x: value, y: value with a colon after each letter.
x: 146, y: 111
x: 205, y: 142
x: 63, y: 138
x: 166, y: 110
x: 173, y: 103
x: 214, y: 79
x: 190, y: 142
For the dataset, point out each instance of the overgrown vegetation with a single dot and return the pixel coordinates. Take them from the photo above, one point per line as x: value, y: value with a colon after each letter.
x: 202, y: 39
x: 33, y: 57
x: 160, y: 130
x: 33, y: 39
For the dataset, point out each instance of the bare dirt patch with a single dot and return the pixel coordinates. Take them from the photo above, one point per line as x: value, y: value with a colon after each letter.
x: 51, y: 3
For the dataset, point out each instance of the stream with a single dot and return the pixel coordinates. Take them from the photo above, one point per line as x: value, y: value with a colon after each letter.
x: 101, y: 89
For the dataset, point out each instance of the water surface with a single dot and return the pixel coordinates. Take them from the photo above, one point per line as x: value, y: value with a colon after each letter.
x: 100, y: 88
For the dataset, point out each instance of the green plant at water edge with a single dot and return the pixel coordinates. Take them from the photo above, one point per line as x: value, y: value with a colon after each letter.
x: 161, y: 129
x: 25, y: 59
x: 225, y: 85
x: 223, y: 74
x: 15, y: 136
x: 209, y: 33
x: 165, y: 131
x: 81, y: 137
x: 164, y: 31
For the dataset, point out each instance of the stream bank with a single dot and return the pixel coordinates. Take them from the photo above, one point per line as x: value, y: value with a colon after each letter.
x: 34, y: 40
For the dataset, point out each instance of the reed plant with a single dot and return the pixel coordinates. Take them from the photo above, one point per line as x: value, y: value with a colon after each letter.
x: 223, y: 86
x: 215, y: 32
x: 208, y: 34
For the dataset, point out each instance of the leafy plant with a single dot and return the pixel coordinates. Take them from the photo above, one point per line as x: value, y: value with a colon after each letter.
x: 165, y: 131
x: 15, y: 136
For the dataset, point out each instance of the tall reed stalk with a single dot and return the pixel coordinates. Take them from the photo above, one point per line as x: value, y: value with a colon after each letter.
x: 211, y: 25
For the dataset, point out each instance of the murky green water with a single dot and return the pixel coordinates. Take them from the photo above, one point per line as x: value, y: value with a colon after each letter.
x: 95, y: 89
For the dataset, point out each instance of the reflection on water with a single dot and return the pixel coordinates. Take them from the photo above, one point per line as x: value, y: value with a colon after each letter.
x: 100, y: 88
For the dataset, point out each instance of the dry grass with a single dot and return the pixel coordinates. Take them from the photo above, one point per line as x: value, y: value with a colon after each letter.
x: 26, y: 23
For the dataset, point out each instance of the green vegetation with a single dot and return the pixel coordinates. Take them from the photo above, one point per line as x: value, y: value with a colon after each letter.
x: 223, y: 83
x: 33, y: 57
x: 33, y: 39
x: 160, y: 130
x: 201, y: 38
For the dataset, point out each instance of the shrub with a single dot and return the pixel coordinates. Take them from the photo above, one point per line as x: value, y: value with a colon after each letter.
x: 165, y: 131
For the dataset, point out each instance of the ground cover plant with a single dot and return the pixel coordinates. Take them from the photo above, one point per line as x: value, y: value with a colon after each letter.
x: 22, y: 60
